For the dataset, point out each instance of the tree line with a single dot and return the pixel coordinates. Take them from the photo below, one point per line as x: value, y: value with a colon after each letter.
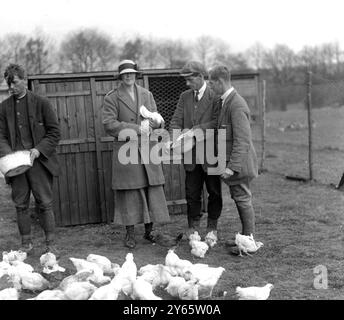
x: 86, y: 50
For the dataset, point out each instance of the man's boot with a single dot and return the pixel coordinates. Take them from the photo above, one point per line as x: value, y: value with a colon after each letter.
x: 148, y: 232
x: 247, y: 218
x: 47, y: 222
x: 24, y: 226
x: 211, y: 224
x: 130, y: 241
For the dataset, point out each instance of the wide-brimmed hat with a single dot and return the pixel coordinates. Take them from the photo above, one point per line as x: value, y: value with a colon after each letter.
x: 193, y: 68
x: 127, y: 66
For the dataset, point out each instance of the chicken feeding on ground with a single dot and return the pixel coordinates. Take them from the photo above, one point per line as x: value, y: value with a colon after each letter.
x: 55, y: 294
x: 80, y: 276
x: 49, y: 263
x: 247, y: 244
x: 254, y: 293
x: 97, y: 277
x: 211, y: 238
x: 175, y: 264
x: 194, y: 236
x: 79, y: 290
x: 13, y: 256
x: 143, y: 290
x: 9, y: 294
x: 33, y: 281
x: 108, y: 292
x: 174, y: 284
x: 207, y: 277
x: 188, y: 290
x: 199, y: 248
x: 103, y: 262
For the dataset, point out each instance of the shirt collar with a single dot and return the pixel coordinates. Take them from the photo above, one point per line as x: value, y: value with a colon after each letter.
x: 226, y: 94
x: 201, y: 91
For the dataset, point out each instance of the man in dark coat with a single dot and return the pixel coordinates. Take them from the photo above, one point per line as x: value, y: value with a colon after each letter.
x: 28, y: 122
x: 241, y: 160
x: 197, y: 110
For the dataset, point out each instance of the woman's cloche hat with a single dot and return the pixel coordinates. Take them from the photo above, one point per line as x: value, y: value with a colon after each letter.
x: 127, y: 66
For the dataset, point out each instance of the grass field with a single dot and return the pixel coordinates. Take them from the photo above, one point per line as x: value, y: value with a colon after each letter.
x: 300, y: 223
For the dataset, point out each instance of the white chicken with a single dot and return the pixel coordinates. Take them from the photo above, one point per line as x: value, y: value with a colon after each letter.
x: 22, y: 266
x: 247, y: 244
x: 9, y: 294
x: 80, y: 276
x: 151, y: 115
x: 97, y: 276
x: 103, y: 262
x: 142, y: 290
x: 174, y: 284
x: 254, y: 293
x: 194, y: 236
x: 211, y: 238
x: 127, y: 274
x: 171, y: 260
x: 33, y: 281
x: 79, y: 290
x: 107, y: 292
x: 51, y: 295
x: 199, y: 248
x: 49, y: 263
x: 14, y: 255
x: 207, y: 277
x: 189, y: 290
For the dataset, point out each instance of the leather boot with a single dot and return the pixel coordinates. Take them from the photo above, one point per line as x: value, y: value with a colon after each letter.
x: 247, y: 218
x: 130, y: 241
x: 148, y: 235
x: 211, y: 224
x: 24, y: 226
x: 47, y: 222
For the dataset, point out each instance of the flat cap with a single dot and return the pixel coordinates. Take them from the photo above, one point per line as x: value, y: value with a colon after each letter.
x: 193, y: 68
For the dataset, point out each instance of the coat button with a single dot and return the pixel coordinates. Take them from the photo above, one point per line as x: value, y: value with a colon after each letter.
x: 131, y: 119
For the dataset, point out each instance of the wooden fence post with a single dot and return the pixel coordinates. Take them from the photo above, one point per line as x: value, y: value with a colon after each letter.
x: 310, y: 131
x: 263, y: 125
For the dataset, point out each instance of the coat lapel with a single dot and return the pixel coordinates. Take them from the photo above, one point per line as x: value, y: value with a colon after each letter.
x: 30, y: 103
x: 226, y: 106
x: 11, y: 120
x: 203, y: 105
x: 126, y: 99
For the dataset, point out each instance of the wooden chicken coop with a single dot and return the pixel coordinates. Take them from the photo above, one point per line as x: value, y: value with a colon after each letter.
x: 83, y: 191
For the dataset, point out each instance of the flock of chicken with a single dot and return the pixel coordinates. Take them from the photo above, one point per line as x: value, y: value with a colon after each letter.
x: 97, y: 278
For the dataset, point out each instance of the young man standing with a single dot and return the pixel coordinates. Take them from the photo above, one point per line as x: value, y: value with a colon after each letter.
x: 28, y: 122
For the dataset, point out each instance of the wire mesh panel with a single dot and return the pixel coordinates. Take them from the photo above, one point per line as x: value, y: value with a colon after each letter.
x: 166, y: 91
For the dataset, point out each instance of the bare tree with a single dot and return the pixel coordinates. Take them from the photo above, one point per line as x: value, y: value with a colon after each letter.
x: 174, y: 53
x: 87, y: 50
x: 255, y: 55
x: 13, y: 49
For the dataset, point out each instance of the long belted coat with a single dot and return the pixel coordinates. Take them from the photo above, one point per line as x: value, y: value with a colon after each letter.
x: 240, y: 153
x: 44, y: 127
x: 121, y: 112
x: 196, y: 115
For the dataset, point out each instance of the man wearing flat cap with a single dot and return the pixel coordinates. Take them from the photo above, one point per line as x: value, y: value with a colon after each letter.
x: 197, y: 109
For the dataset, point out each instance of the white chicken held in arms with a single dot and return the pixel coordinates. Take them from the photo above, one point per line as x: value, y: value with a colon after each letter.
x: 247, y: 244
x: 254, y: 293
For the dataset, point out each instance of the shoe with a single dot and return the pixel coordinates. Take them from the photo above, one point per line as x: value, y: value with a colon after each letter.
x: 149, y: 237
x: 27, y: 248
x: 52, y: 249
x: 130, y: 241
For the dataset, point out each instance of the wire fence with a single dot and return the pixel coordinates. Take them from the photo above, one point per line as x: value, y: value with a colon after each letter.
x: 303, y: 129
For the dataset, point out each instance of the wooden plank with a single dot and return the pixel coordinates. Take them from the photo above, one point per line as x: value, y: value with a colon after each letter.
x: 80, y: 115
x: 76, y: 141
x: 63, y: 193
x: 92, y: 189
x: 71, y: 114
x: 56, y: 202
x: 62, y: 113
x: 72, y: 189
x: 69, y: 93
x: 109, y: 196
x: 81, y: 172
x: 99, y: 162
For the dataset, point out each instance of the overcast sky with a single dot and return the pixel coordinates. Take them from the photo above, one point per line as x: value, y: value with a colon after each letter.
x: 240, y: 23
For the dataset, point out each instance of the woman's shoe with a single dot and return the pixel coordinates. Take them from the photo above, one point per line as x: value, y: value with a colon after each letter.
x: 130, y: 237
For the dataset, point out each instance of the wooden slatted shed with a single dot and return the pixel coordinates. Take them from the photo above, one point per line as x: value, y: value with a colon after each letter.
x: 82, y: 191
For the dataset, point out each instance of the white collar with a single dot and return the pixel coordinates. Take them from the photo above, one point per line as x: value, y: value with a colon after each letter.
x: 226, y: 94
x: 201, y: 91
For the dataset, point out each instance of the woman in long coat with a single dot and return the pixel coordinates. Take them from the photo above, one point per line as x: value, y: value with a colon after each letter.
x: 138, y: 187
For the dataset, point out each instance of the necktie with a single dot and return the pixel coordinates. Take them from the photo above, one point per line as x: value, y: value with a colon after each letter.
x: 196, y: 95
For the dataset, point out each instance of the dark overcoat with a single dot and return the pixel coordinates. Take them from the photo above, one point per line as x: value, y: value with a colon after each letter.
x: 121, y: 112
x: 44, y: 127
x: 196, y: 115
x: 240, y: 153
